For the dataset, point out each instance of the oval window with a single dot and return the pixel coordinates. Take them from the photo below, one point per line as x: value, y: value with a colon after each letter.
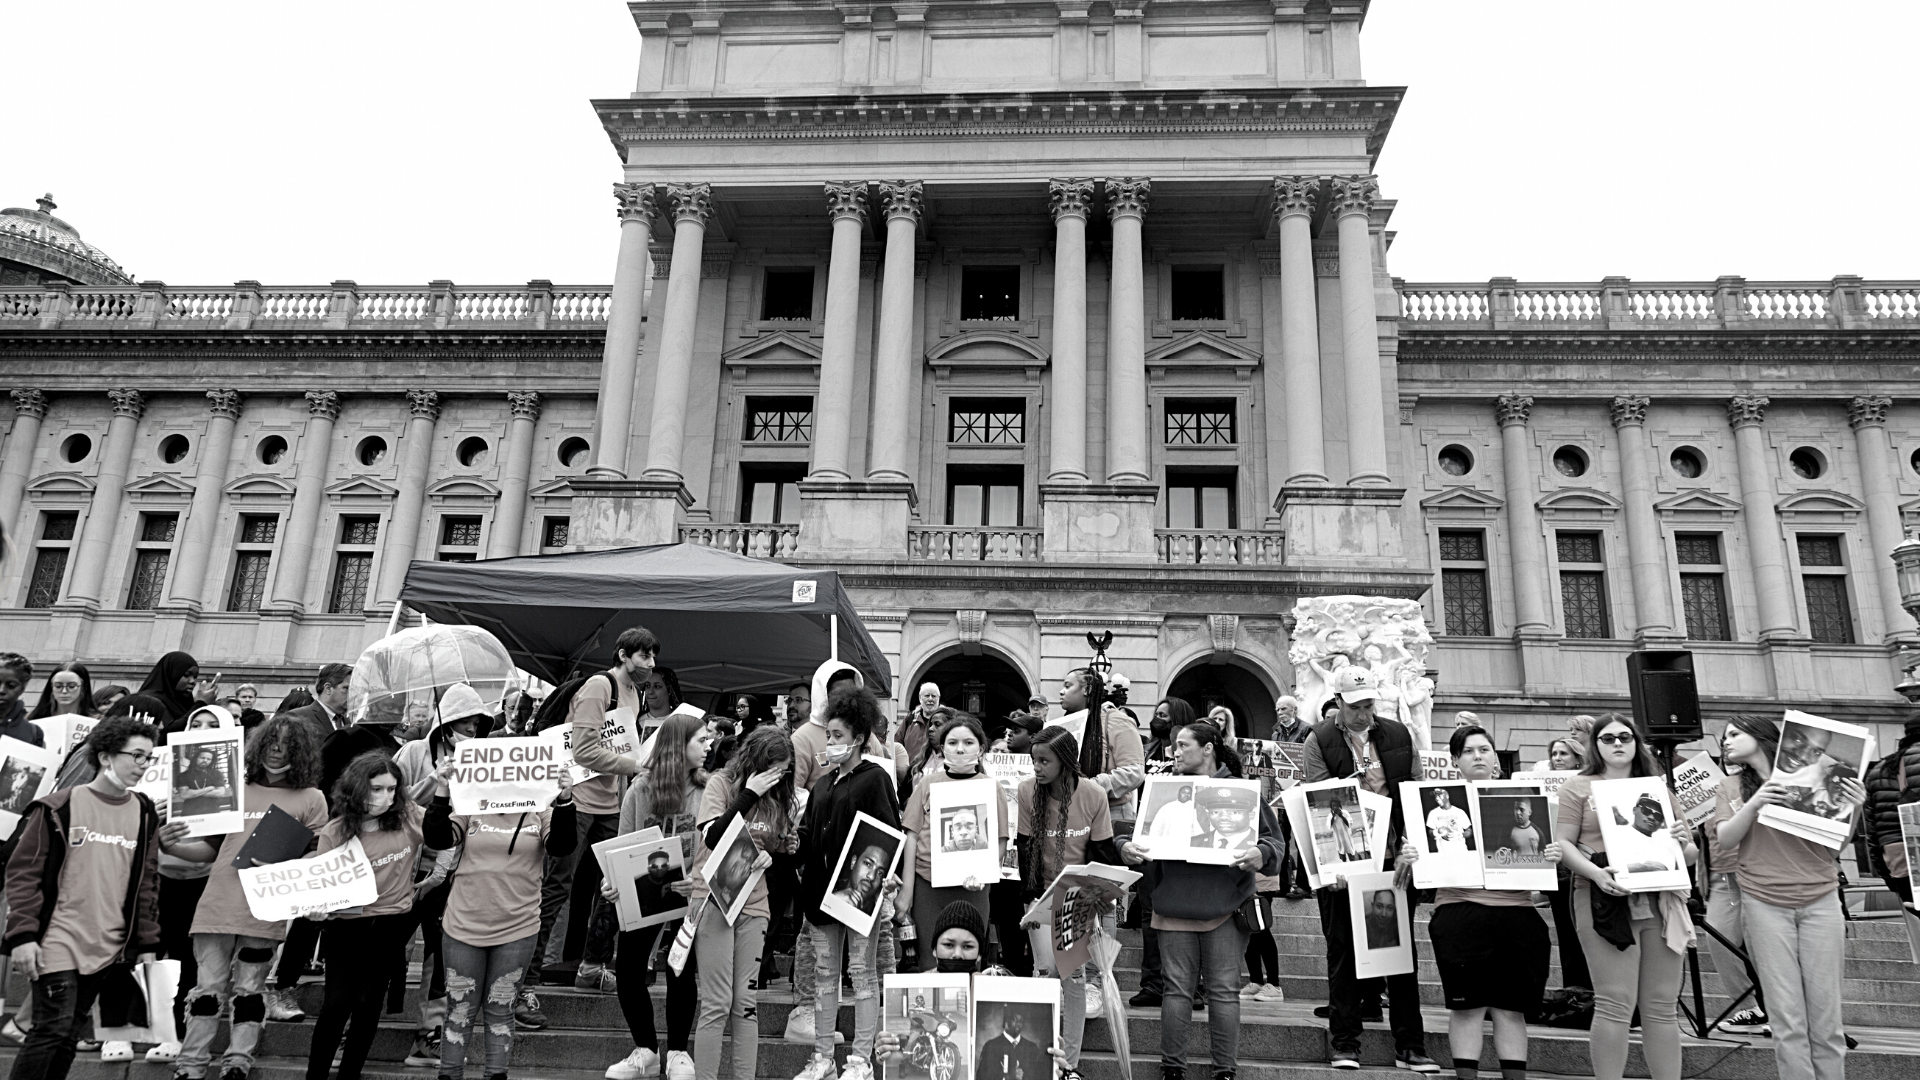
x: 272, y: 450
x: 472, y: 452
x: 372, y: 450
x: 1570, y: 461
x: 573, y: 452
x: 1807, y: 463
x: 76, y: 447
x: 173, y: 449
x: 1687, y: 463
x: 1456, y: 460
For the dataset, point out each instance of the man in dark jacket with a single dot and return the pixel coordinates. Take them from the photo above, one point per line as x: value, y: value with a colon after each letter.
x: 328, y: 713
x: 83, y: 893
x: 1893, y: 782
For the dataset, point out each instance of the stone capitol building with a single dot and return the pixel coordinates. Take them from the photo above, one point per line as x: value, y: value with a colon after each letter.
x: 1030, y: 318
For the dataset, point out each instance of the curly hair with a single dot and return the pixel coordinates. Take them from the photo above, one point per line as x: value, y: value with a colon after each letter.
x: 669, y: 770
x: 110, y: 736
x: 355, y: 787
x: 303, y: 753
x: 1060, y: 743
x: 857, y: 708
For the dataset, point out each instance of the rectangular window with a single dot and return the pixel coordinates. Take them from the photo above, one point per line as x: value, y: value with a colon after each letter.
x: 1199, y: 422
x: 1201, y: 498
x: 990, y: 293
x: 553, y: 534
x: 152, y: 554
x: 353, y: 565
x: 987, y: 421
x: 252, y: 561
x: 788, y: 295
x: 779, y: 419
x: 1583, y: 585
x: 770, y: 494
x: 50, y: 558
x: 1466, y: 607
x: 1199, y: 294
x: 1703, y: 587
x: 1823, y: 579
x: 984, y: 496
x: 459, y: 539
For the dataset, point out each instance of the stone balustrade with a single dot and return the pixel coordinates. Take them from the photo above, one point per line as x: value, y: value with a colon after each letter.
x: 759, y: 541
x: 343, y: 305
x: 1728, y: 303
x: 953, y: 543
x: 1231, y: 547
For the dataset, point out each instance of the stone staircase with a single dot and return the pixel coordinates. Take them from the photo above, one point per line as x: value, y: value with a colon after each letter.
x: 1278, y: 1041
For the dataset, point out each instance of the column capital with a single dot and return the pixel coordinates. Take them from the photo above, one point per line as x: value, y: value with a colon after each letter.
x: 30, y: 403
x: 128, y: 403
x: 847, y: 199
x: 324, y: 404
x: 1627, y: 410
x: 424, y: 404
x: 525, y: 404
x: 1745, y: 412
x: 1070, y: 198
x: 903, y: 199
x: 1128, y: 196
x: 1513, y: 409
x: 1294, y: 195
x: 1868, y: 411
x: 635, y: 202
x: 224, y: 403
x: 1353, y: 195
x: 691, y: 202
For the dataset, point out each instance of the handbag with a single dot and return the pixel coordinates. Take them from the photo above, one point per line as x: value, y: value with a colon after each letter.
x: 1252, y: 917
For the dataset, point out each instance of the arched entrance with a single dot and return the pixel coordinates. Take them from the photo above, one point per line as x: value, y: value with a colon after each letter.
x: 984, y: 685
x: 1207, y: 683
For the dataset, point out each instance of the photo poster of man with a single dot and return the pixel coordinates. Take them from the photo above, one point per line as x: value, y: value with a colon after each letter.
x: 1636, y: 817
x: 26, y: 773
x: 207, y: 777
x: 931, y: 1015
x: 1014, y: 1022
x: 965, y: 832
x: 1513, y: 824
x: 729, y: 870
x: 1438, y: 820
x: 1227, y: 816
x: 1008, y: 770
x: 1167, y: 819
x: 1341, y: 839
x: 641, y: 874
x: 1696, y: 785
x: 1815, y: 756
x: 867, y: 859
x: 1382, y: 926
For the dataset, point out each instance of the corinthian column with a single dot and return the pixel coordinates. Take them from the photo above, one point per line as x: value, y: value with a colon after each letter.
x: 303, y: 517
x: 1360, y: 332
x: 1764, y: 545
x: 1523, y: 524
x: 692, y: 205
x: 1868, y: 417
x: 1127, y: 425
x: 901, y: 203
x: 90, y: 561
x: 403, y: 529
x: 1300, y: 330
x: 833, y: 406
x: 511, y: 516
x: 209, y: 487
x: 1071, y: 201
x: 626, y: 313
x: 30, y: 408
x: 1646, y: 554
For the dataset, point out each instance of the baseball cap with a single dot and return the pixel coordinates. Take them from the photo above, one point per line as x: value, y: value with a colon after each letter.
x: 1353, y: 686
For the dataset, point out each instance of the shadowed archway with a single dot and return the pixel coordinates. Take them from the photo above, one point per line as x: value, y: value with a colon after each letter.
x: 1206, y: 683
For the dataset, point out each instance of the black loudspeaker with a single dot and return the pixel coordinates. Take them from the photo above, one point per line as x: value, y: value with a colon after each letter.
x: 1665, y: 700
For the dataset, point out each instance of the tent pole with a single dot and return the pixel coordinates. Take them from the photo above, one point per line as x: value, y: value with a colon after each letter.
x: 393, y: 623
x: 833, y: 637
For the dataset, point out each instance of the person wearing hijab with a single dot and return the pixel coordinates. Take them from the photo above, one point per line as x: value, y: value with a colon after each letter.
x: 176, y: 682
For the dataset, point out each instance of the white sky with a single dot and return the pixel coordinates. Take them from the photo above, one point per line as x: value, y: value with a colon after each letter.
x: 393, y: 142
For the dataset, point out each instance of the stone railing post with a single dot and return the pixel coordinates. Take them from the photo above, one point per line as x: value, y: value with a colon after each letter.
x: 57, y: 303
x: 1730, y: 301
x: 1616, y: 303
x: 440, y: 303
x: 246, y: 305
x: 151, y: 307
x: 1846, y: 309
x: 343, y: 306
x: 1500, y: 302
x: 539, y: 302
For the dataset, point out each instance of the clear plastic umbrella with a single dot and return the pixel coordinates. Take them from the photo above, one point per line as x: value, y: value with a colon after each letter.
x: 417, y: 666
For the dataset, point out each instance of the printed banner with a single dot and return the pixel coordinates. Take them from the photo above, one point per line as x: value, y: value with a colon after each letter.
x: 1696, y: 782
x: 341, y: 878
x: 1289, y: 763
x: 1072, y: 906
x: 26, y: 773
x: 1549, y: 779
x: 157, y: 782
x: 504, y: 776
x: 1437, y: 765
x: 208, y: 774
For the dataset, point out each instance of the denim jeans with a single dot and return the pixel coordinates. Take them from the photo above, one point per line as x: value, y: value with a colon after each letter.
x: 829, y: 942
x: 1800, y: 954
x: 588, y: 905
x: 1073, y: 992
x: 1724, y: 915
x: 1191, y: 961
x: 471, y: 970
x: 60, y: 999
x: 1646, y: 976
x: 728, y: 958
x: 231, y: 968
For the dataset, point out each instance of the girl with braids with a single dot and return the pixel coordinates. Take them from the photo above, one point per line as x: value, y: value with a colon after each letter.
x: 1110, y: 750
x: 1063, y: 821
x: 1789, y: 903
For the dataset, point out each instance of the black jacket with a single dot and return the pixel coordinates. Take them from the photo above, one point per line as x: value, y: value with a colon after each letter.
x: 831, y: 807
x: 1398, y: 761
x: 1884, y: 799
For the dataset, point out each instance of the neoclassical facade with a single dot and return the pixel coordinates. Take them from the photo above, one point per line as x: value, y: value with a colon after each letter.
x: 1032, y: 319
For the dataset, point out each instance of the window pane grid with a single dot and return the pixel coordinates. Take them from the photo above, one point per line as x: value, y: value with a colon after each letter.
x: 149, y: 575
x: 996, y: 427
x: 1694, y: 549
x: 460, y: 532
x: 1829, y: 617
x: 59, y: 527
x: 360, y: 531
x: 1200, y: 427
x: 1583, y: 602
x: 1819, y: 550
x: 158, y: 528
x: 1704, y: 599
x: 49, y: 570
x: 350, y: 577
x: 1464, y: 600
x: 781, y: 425
x: 259, y: 530
x: 1463, y: 547
x: 249, y: 581
x: 555, y: 532
x: 1578, y: 547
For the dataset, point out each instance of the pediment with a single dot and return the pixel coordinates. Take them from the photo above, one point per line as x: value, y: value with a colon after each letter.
x: 1202, y: 348
x: 160, y: 486
x: 988, y: 350
x: 260, y: 486
x: 468, y: 487
x: 1462, y: 500
x: 1578, y: 500
x: 361, y: 487
x: 60, y: 483
x: 782, y: 348
x: 1823, y: 502
x: 561, y: 488
x: 1698, y: 502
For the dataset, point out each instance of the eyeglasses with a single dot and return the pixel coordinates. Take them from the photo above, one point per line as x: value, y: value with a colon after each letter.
x: 1615, y: 740
x: 140, y: 757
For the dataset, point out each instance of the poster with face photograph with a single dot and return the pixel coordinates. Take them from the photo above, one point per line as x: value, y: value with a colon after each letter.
x: 1342, y: 840
x: 1014, y: 1023
x: 930, y: 1014
x: 1382, y: 926
x: 1513, y: 824
x: 26, y: 773
x: 1200, y: 819
x: 643, y: 874
x: 1816, y: 756
x: 1289, y: 763
x: 964, y: 832
x: 1636, y: 818
x: 1293, y: 804
x: 207, y: 777
x: 869, y: 856
x: 1439, y: 822
x: 730, y: 872
x: 1007, y: 770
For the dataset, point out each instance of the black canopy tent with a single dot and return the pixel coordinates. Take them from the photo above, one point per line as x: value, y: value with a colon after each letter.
x: 726, y: 622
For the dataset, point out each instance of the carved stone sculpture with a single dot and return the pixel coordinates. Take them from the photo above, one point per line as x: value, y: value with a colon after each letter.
x: 1387, y: 637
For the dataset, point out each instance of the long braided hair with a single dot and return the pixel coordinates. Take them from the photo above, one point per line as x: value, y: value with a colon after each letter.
x: 1061, y: 744
x: 1767, y: 735
x: 1093, y: 739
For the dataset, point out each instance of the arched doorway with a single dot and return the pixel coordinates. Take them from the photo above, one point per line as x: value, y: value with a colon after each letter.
x: 1208, y: 683
x: 984, y: 685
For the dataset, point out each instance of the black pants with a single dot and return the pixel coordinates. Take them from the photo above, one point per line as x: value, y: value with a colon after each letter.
x: 303, y: 937
x: 1003, y: 903
x: 573, y: 881
x: 1344, y: 991
x: 359, y: 963
x: 1573, y: 960
x: 1151, y: 980
x: 636, y: 1000
x: 425, y: 917
x: 178, y: 898
x: 60, y: 999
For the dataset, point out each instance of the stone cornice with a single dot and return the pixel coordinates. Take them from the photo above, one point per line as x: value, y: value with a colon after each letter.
x: 1198, y: 582
x: 1419, y: 344
x: 541, y: 345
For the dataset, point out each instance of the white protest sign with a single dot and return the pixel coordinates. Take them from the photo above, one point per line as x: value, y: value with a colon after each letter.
x: 501, y: 776
x: 1549, y: 779
x: 157, y: 782
x: 336, y: 879
x: 560, y: 737
x: 1008, y: 770
x: 1695, y: 783
x: 1437, y: 765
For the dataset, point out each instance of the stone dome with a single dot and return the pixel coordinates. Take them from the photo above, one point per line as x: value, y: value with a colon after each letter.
x: 36, y: 247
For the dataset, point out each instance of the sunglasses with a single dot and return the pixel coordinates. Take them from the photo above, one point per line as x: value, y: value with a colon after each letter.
x: 1615, y: 740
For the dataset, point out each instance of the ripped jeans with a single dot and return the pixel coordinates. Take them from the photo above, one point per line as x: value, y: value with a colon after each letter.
x: 231, y: 967
x: 487, y: 978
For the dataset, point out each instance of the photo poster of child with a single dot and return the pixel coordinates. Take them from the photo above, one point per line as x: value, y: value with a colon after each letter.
x: 643, y: 875
x: 1438, y: 820
x: 1008, y: 770
x: 931, y: 1015
x: 1816, y: 756
x: 965, y: 832
x: 1015, y: 1021
x: 1513, y: 823
x: 729, y: 871
x: 26, y: 773
x: 1635, y: 819
x: 1382, y: 926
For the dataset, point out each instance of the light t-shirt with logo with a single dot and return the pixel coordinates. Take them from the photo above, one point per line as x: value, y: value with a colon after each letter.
x: 223, y: 907
x: 88, y: 926
x: 496, y: 894
x: 1088, y: 820
x: 392, y: 853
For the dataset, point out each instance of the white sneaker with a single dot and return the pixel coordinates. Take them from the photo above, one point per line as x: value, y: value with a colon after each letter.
x: 115, y: 1050
x: 1271, y: 992
x: 800, y: 1025
x: 164, y: 1052
x: 282, y: 1007
x: 638, y: 1065
x: 1096, y: 1005
x: 679, y: 1065
x: 858, y: 1068
x: 819, y: 1067
x: 1248, y: 991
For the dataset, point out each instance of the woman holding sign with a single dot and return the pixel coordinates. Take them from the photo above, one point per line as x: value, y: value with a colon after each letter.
x: 1789, y: 906
x: 1636, y: 957
x: 959, y: 743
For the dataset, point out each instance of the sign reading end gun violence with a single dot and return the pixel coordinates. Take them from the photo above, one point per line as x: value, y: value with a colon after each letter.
x: 503, y: 776
x: 341, y: 878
